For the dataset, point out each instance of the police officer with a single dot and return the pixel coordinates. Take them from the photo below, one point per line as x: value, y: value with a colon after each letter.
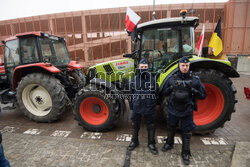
x: 183, y: 89
x: 144, y: 88
x: 3, y: 161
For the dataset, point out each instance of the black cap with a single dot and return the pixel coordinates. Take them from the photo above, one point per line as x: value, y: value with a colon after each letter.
x: 184, y: 59
x: 143, y: 61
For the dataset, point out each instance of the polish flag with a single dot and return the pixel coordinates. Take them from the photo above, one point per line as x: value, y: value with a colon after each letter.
x: 200, y: 43
x: 131, y: 19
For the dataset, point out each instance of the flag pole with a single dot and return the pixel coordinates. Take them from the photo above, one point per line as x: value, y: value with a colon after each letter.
x: 202, y: 39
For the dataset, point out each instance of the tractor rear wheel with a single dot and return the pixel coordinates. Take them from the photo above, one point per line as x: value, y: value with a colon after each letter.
x: 219, y: 104
x: 78, y: 77
x: 94, y: 111
x: 41, y: 97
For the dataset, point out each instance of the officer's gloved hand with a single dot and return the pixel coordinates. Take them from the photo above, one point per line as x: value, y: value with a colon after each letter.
x: 194, y: 91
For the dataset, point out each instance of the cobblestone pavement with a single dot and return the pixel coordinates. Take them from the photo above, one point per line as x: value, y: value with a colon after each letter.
x: 32, y: 150
x: 64, y: 143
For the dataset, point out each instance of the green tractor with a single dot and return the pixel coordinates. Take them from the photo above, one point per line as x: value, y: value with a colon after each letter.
x: 163, y: 42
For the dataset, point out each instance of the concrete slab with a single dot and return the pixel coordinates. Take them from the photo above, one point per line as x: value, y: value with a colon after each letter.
x: 241, y: 154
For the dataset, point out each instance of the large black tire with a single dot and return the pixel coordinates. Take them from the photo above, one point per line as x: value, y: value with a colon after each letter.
x: 94, y: 111
x: 79, y: 77
x: 213, y: 112
x: 41, y: 97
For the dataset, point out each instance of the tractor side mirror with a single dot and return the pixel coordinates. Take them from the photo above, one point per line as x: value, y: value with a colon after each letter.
x: 130, y: 55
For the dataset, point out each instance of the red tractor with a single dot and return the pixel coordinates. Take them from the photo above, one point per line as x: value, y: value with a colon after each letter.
x: 38, y: 75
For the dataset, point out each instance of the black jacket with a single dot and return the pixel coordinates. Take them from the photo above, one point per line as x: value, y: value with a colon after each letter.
x: 193, y: 89
x: 144, y: 90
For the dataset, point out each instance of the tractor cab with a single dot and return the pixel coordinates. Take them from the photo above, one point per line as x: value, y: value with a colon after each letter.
x: 164, y: 41
x: 34, y: 49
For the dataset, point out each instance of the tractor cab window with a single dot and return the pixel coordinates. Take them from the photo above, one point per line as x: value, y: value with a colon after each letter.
x: 46, y: 48
x: 163, y: 46
x: 54, y: 51
x: 12, y: 57
x: 29, y: 50
x: 187, y: 40
x: 61, y: 52
x: 160, y: 47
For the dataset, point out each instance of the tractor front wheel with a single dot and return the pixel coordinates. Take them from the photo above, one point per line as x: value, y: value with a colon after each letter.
x: 41, y: 97
x: 94, y: 111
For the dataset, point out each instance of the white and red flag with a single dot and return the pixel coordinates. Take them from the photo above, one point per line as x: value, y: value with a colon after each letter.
x: 131, y: 19
x: 200, y: 43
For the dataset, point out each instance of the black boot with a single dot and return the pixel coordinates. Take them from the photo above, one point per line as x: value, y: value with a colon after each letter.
x: 170, y: 140
x: 185, y: 153
x: 151, y: 139
x: 134, y: 142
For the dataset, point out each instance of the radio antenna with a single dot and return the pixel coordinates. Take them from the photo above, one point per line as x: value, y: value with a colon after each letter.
x: 153, y: 15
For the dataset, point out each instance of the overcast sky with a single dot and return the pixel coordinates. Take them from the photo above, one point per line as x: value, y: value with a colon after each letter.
x: 10, y: 9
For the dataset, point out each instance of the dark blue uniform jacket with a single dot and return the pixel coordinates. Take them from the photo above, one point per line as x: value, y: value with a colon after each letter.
x: 196, y: 90
x: 3, y: 161
x: 144, y: 92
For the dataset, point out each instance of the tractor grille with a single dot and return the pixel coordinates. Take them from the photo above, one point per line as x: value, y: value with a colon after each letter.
x: 108, y: 69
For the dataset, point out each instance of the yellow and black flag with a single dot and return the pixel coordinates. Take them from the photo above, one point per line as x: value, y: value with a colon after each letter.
x: 216, y: 39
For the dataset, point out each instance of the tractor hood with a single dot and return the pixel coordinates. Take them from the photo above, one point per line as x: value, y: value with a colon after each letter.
x: 112, y: 70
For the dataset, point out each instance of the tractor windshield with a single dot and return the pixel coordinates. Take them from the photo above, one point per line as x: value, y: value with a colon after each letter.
x: 12, y: 58
x: 54, y: 51
x: 162, y: 46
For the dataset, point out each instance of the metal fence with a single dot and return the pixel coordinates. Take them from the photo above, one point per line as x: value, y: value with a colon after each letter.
x: 96, y: 36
